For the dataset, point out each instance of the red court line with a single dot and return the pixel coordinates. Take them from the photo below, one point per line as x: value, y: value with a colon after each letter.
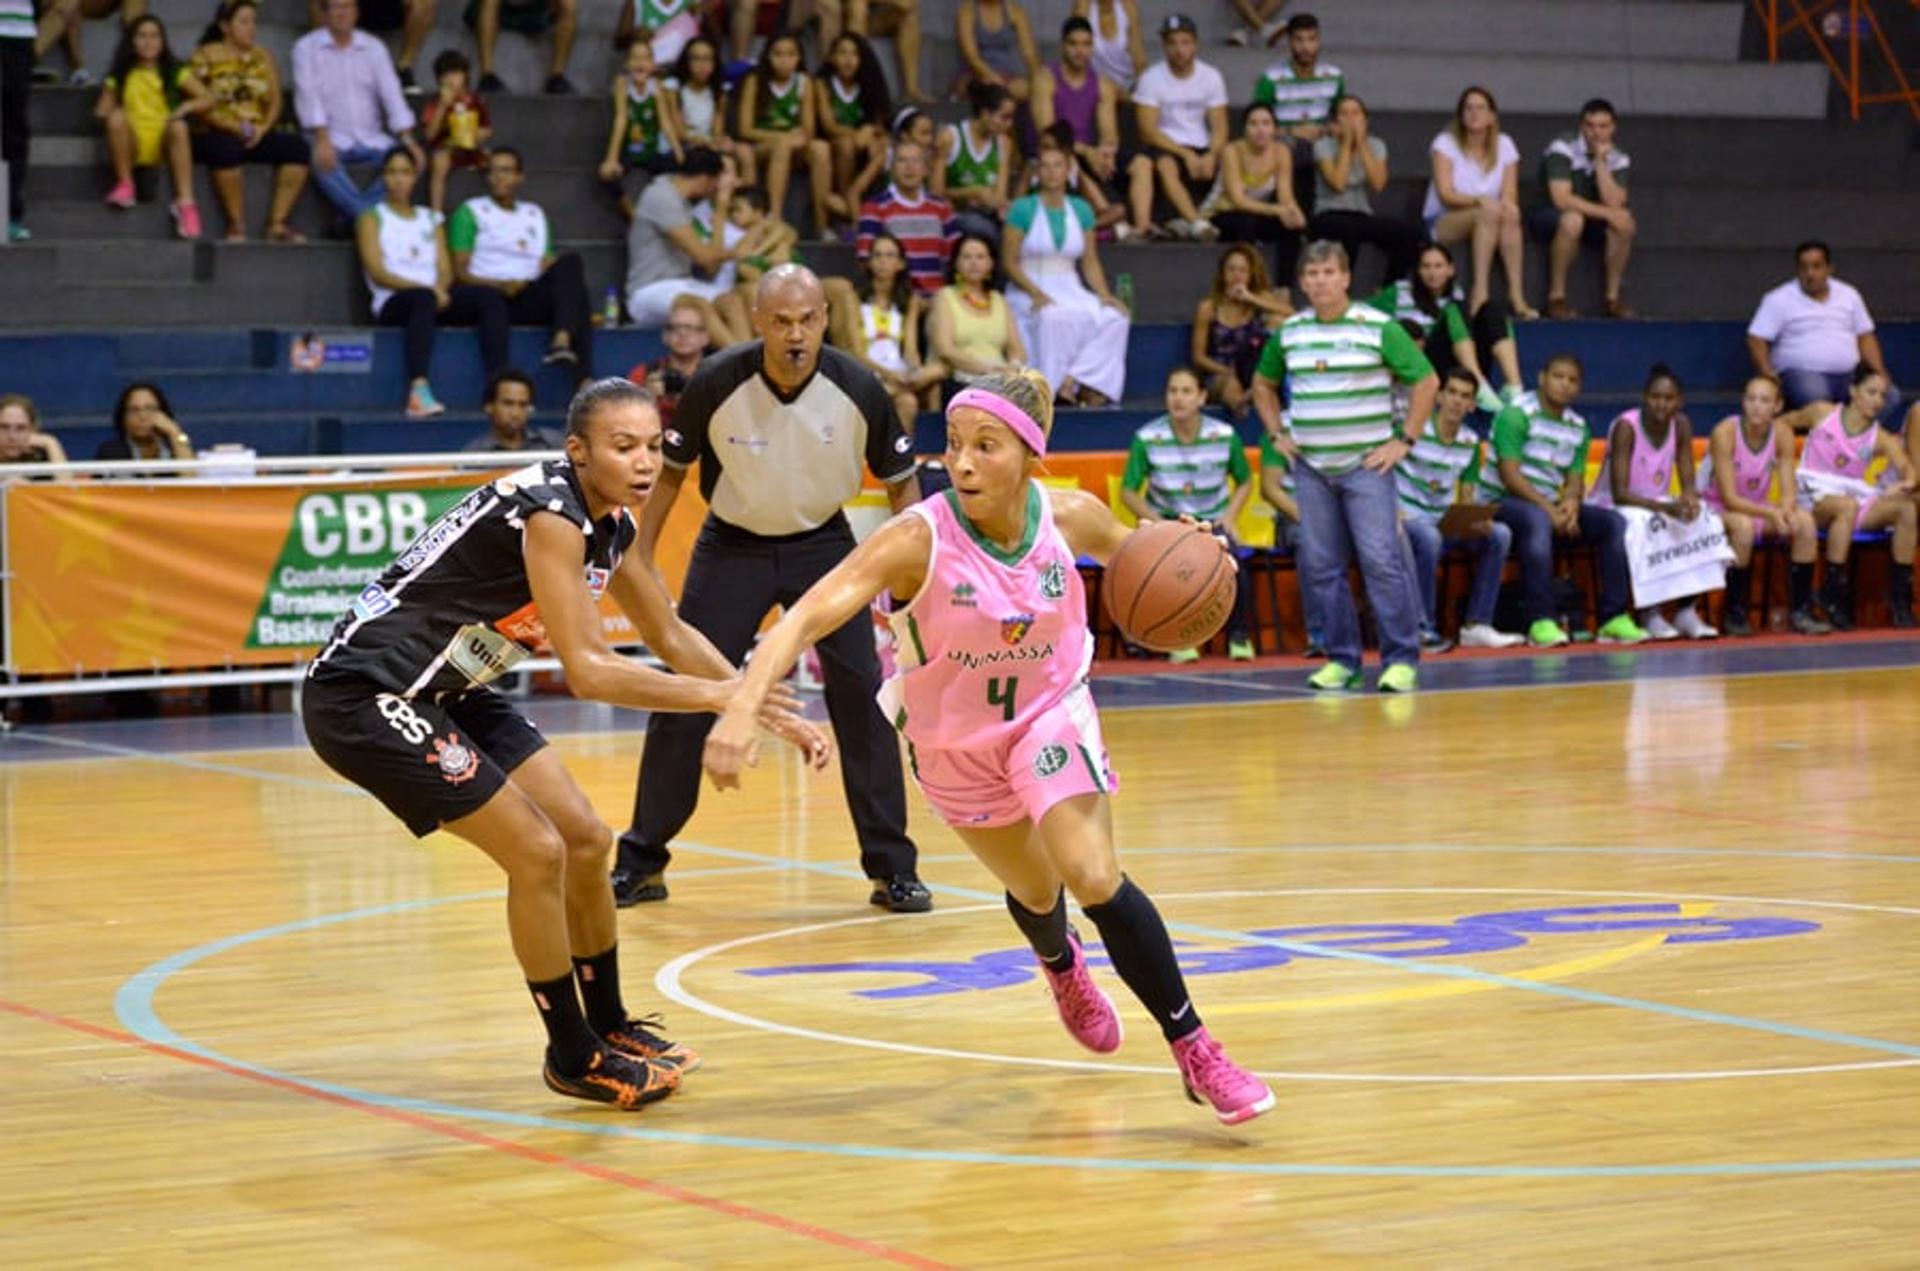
x: 447, y: 1129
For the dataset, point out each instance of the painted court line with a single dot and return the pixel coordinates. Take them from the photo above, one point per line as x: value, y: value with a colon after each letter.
x: 460, y: 1133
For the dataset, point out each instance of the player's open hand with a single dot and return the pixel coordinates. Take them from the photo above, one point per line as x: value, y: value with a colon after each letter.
x: 801, y: 734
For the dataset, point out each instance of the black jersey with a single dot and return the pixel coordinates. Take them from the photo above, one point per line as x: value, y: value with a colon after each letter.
x: 454, y: 611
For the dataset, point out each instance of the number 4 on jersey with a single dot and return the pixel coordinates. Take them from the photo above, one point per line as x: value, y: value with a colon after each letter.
x: 1003, y: 698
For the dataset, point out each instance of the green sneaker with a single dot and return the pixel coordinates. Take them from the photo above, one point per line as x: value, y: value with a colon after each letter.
x: 1240, y: 650
x: 1333, y: 678
x: 1180, y: 657
x: 1546, y: 634
x: 1399, y: 678
x: 1622, y: 629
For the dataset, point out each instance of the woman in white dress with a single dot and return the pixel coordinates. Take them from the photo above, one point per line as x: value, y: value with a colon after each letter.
x: 1058, y: 292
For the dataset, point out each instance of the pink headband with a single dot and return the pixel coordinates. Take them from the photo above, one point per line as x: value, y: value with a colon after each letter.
x: 1006, y: 412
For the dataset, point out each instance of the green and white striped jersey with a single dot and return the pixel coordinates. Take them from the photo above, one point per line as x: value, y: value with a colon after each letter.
x: 1339, y: 376
x: 1194, y: 478
x: 1434, y: 470
x: 1547, y: 447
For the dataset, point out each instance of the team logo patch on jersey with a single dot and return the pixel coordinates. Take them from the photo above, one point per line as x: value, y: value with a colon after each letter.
x: 1053, y: 582
x: 962, y: 597
x: 1051, y: 759
x: 1013, y: 630
x: 456, y: 761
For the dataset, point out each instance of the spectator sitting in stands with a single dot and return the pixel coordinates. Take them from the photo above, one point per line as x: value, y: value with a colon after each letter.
x: 880, y: 327
x: 902, y: 22
x: 412, y: 18
x: 531, y: 18
x: 63, y: 22
x: 1277, y: 488
x: 1180, y: 108
x: 455, y: 123
x: 765, y: 241
x: 1302, y: 91
x: 1252, y: 197
x: 1075, y: 330
x: 1649, y: 453
x: 1119, y: 41
x: 1445, y: 462
x: 853, y: 107
x: 1832, y: 483
x: 1350, y: 165
x: 664, y: 248
x: 670, y: 26
x: 1428, y: 304
x: 971, y: 328
x: 777, y: 117
x: 1071, y: 94
x: 1186, y: 463
x: 646, y: 127
x: 410, y: 282
x: 508, y: 406
x: 1107, y: 214
x: 1231, y: 325
x: 704, y: 106
x: 996, y: 44
x: 974, y: 166
x: 144, y: 427
x: 21, y: 440
x: 502, y: 241
x: 687, y: 341
x: 243, y: 124
x: 148, y: 96
x: 921, y: 221
x: 1540, y: 445
x: 344, y: 86
x: 1583, y: 200
x: 1750, y: 481
x: 1814, y: 333
x: 1474, y: 196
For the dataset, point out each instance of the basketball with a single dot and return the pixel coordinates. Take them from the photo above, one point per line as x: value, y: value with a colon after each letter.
x: 1170, y: 586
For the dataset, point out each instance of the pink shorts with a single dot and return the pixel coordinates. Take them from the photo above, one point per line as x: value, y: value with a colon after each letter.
x: 1060, y: 755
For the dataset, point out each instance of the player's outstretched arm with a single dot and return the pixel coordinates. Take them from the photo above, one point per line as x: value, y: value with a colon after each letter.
x: 1090, y: 527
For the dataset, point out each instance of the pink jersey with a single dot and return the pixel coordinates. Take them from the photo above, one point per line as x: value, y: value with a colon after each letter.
x: 1649, y: 472
x: 1831, y: 449
x: 993, y: 640
x: 1752, y: 469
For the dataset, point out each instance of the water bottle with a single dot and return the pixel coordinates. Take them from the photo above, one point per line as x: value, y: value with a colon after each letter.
x: 610, y: 308
x: 1123, y: 291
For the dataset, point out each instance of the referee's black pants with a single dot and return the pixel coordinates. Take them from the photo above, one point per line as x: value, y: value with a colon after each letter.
x: 734, y: 578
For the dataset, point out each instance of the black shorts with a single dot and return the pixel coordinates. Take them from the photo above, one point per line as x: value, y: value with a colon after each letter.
x: 428, y: 762
x: 222, y: 151
x: 383, y: 15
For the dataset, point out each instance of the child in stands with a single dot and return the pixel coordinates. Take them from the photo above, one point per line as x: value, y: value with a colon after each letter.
x: 144, y: 105
x: 456, y: 125
x: 646, y: 127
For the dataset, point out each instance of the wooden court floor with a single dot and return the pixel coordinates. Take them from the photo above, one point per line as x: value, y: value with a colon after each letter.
x: 1603, y: 976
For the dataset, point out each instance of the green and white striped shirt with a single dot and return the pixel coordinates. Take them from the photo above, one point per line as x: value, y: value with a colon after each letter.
x: 1299, y: 101
x: 1547, y: 448
x: 1187, y: 477
x: 16, y: 19
x: 1433, y: 470
x: 1339, y: 378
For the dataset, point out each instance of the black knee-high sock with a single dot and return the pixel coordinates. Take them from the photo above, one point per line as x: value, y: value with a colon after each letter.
x: 599, y: 978
x: 1739, y: 587
x: 1141, y: 951
x: 570, y: 1043
x: 1800, y: 584
x: 1046, y: 932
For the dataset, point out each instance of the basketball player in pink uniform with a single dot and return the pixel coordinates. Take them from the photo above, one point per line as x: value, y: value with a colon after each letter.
x: 990, y: 625
x: 1832, y: 484
x: 1645, y: 447
x: 1749, y: 481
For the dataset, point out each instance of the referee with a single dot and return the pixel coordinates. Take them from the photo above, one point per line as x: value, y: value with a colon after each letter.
x: 780, y: 427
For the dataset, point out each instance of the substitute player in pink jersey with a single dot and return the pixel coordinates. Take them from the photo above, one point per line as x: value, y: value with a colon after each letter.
x: 1749, y: 480
x: 1832, y: 484
x: 992, y: 641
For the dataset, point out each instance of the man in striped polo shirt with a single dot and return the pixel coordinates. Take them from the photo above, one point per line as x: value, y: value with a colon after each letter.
x: 919, y: 218
x: 1340, y: 360
x: 1445, y: 460
x: 1301, y: 91
x: 1541, y: 444
x: 16, y: 73
x: 1186, y: 463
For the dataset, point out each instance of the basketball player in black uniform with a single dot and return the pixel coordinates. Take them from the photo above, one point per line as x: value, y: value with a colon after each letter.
x: 397, y: 703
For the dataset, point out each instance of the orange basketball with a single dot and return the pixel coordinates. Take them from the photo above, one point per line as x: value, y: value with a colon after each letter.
x: 1170, y: 586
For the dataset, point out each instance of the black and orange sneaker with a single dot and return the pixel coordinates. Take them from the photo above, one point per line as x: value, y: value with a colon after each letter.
x: 636, y: 1039
x: 620, y: 1079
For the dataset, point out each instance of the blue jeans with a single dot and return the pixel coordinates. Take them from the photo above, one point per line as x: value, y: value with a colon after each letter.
x: 1833, y: 386
x: 1489, y: 552
x: 1286, y: 533
x: 339, y: 187
x: 1353, y: 514
x: 1602, y: 529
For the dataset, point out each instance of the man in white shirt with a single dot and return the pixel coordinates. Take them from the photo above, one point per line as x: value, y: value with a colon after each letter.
x: 349, y: 100
x: 502, y: 241
x: 1813, y: 331
x: 1180, y: 105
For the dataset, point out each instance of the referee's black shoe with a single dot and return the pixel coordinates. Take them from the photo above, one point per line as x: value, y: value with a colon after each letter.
x: 632, y: 888
x: 902, y: 894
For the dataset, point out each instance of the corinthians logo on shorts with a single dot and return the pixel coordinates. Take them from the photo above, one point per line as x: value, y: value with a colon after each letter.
x: 1013, y: 630
x: 456, y: 761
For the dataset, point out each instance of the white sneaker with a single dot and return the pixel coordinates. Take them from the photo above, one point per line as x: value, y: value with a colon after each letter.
x: 1205, y: 230
x: 1481, y: 635
x: 1691, y: 625
x: 1181, y: 228
x: 1241, y: 38
x: 1658, y: 628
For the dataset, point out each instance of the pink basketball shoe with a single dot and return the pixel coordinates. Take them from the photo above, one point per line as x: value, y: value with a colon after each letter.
x: 1086, y: 1011
x: 1236, y: 1094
